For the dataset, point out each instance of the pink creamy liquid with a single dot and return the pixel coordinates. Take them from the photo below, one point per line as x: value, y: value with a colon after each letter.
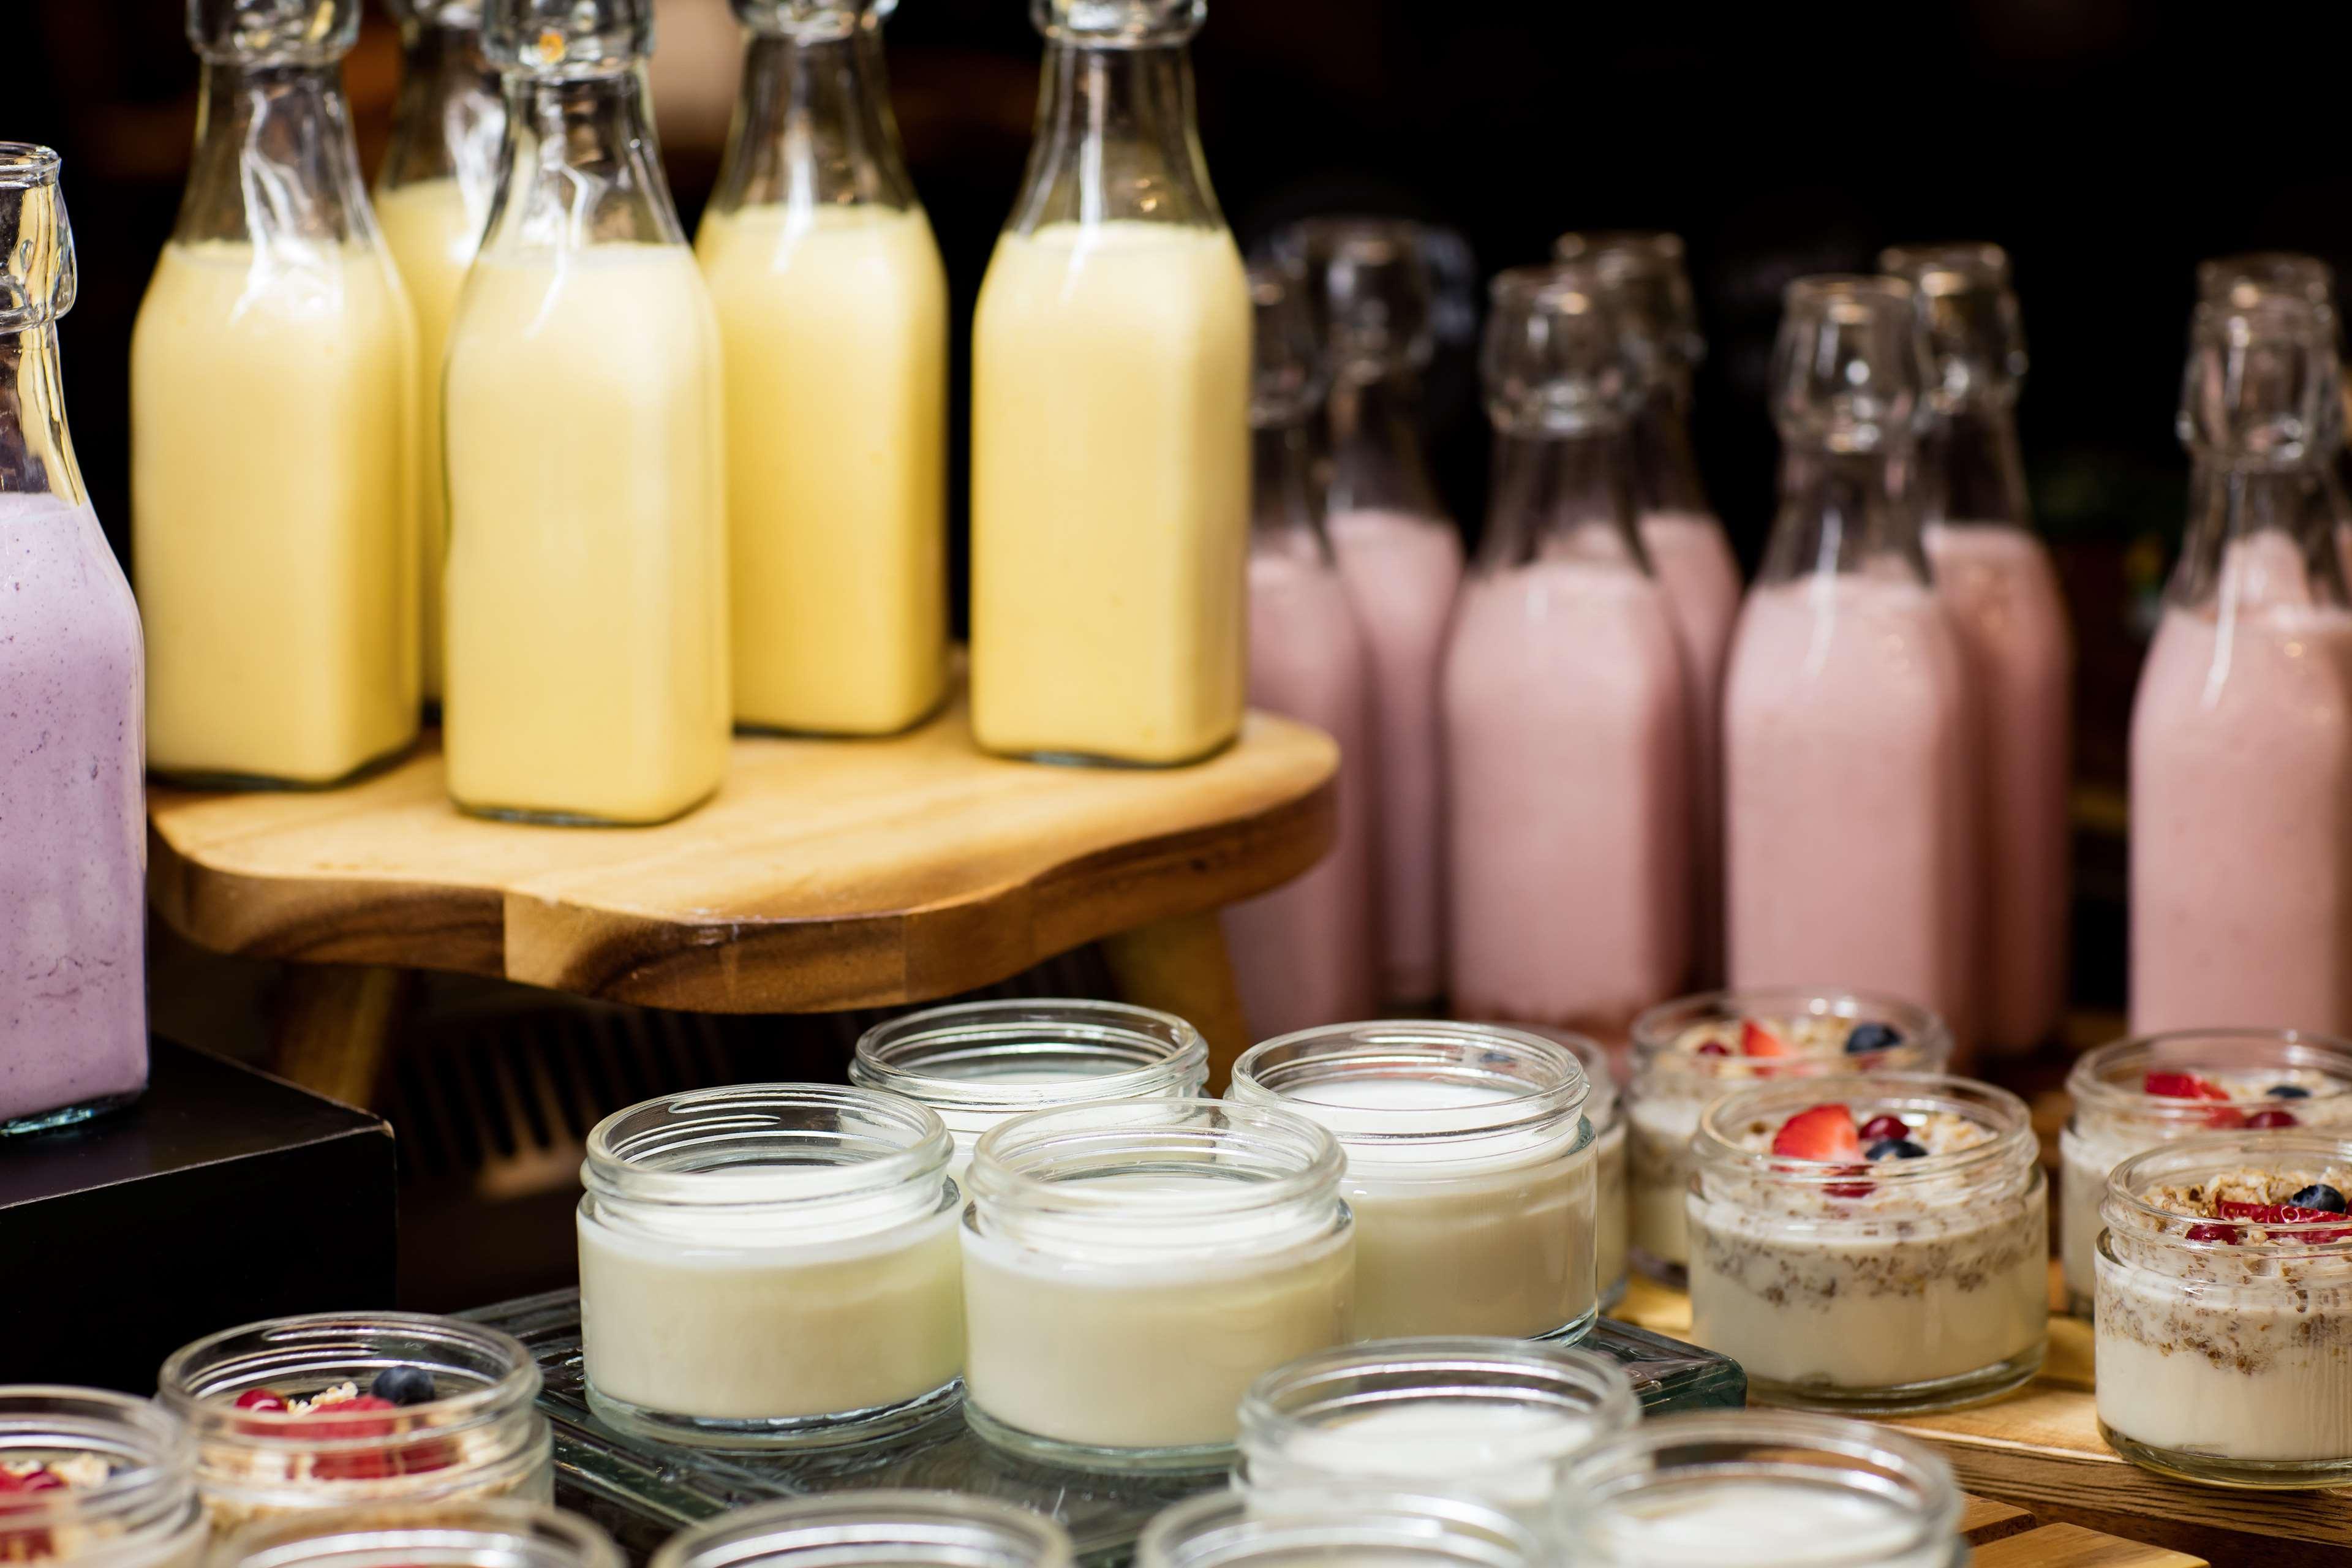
x: 2241, y: 807
x: 1403, y: 572
x: 1693, y: 562
x: 73, y: 834
x: 1306, y: 953
x: 1568, y: 739
x: 1997, y: 580
x: 1849, y: 849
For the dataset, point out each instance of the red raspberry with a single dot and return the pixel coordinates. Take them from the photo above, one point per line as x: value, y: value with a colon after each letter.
x: 2272, y: 1118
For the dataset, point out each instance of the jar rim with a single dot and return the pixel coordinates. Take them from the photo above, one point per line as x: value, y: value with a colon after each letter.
x: 894, y: 1517
x: 1160, y: 1046
x: 163, y: 1451
x: 2013, y: 1140
x: 1231, y: 1526
x: 25, y: 165
x: 1299, y: 1397
x: 1044, y: 1160
x: 2094, y: 1079
x: 310, y: 1536
x: 648, y: 1153
x: 2210, y: 1153
x: 1415, y: 1051
x: 1655, y: 1029
x: 180, y: 1390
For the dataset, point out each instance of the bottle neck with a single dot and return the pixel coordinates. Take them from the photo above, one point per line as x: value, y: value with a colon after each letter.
x: 1665, y: 466
x: 1561, y: 497
x: 275, y: 159
x: 1376, y: 450
x: 1970, y: 469
x: 2258, y: 535
x: 813, y: 126
x: 37, y: 455
x: 1844, y: 512
x: 1115, y: 140
x: 451, y: 116
x: 582, y: 166
x: 1283, y: 516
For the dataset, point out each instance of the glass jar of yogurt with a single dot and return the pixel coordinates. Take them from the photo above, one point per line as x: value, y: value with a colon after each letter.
x: 1496, y: 1419
x: 1875, y: 1244
x: 1131, y: 1267
x: 1345, y: 1525
x: 98, y: 1478
x: 1470, y: 1170
x: 352, y: 1409
x: 2224, y: 1309
x: 1689, y: 1051
x: 978, y: 1063
x: 1763, y: 1490
x: 770, y: 1264
x: 2132, y: 1095
x: 493, y: 1533
x: 1604, y: 1107
x: 867, y: 1529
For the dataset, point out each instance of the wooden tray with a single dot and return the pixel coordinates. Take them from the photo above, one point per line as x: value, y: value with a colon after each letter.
x: 2040, y: 1449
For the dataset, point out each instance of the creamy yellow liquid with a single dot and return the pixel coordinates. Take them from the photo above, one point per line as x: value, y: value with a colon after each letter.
x: 1110, y: 492
x: 432, y: 235
x: 834, y: 327
x: 587, y: 576
x: 272, y: 519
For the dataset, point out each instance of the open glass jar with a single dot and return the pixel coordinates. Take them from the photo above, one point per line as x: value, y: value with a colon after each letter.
x: 769, y: 1264
x: 501, y: 1533
x: 118, y: 1487
x: 867, y: 1529
x: 1690, y: 1051
x: 1875, y: 1244
x: 979, y: 1063
x: 1492, y: 1419
x: 1367, y: 1525
x: 1604, y: 1107
x: 2134, y: 1094
x: 1131, y: 1267
x: 2224, y: 1309
x: 286, y: 1448
x: 1761, y: 1489
x: 1470, y: 1170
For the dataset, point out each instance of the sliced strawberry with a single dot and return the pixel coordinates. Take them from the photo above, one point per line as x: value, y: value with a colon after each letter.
x: 1756, y: 1040
x: 2284, y: 1214
x: 2182, y: 1085
x: 2266, y: 1118
x: 1849, y: 1189
x: 1824, y: 1132
x: 2225, y: 1116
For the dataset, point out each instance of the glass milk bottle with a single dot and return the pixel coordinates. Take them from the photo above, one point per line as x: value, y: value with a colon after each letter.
x: 73, y: 854
x: 433, y: 195
x: 833, y: 314
x: 2000, y: 589
x: 1566, y: 712
x: 1688, y: 552
x: 2241, y: 731
x: 587, y: 648
x: 1111, y: 414
x: 1849, y: 796
x: 273, y: 527
x: 1304, y: 954
x: 1398, y: 552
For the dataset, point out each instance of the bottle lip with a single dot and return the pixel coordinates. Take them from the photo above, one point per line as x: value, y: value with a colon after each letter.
x: 1947, y: 266
x: 2129, y: 1216
x: 839, y: 1530
x: 2107, y: 1080
x: 456, y: 1530
x: 760, y: 1146
x: 1119, y: 24
x: 1543, y: 1084
x: 28, y: 165
x: 1209, y: 1159
x: 1846, y: 292
x: 1715, y: 1146
x: 2240, y: 279
x: 1231, y: 1528
x: 947, y: 1057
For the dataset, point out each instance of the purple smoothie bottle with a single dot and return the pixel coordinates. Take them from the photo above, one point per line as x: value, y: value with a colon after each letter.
x: 73, y: 840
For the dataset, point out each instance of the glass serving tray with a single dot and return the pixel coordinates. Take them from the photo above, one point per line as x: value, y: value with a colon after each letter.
x: 643, y: 1491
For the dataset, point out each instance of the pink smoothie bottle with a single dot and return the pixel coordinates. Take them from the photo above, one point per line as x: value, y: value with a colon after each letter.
x: 1688, y: 550
x: 73, y: 825
x: 1850, y: 794
x: 1997, y: 580
x: 1307, y: 954
x: 1567, y: 708
x: 1399, y: 554
x: 2241, y: 731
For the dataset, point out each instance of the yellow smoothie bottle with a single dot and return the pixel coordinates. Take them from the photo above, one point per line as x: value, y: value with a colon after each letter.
x: 833, y: 309
x: 432, y: 196
x: 585, y: 638
x: 1110, y: 415
x: 273, y: 469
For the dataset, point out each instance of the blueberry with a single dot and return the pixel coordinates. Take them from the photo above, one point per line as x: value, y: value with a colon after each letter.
x: 1895, y: 1149
x: 2319, y: 1195
x: 2287, y: 1091
x: 403, y: 1384
x: 1872, y: 1038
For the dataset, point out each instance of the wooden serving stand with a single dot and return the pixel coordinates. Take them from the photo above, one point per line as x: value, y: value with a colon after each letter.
x: 825, y: 874
x: 2040, y: 1450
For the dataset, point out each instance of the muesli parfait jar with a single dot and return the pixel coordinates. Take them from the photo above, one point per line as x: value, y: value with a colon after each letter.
x: 1470, y: 1170
x: 867, y: 1528
x: 1691, y: 1051
x: 1763, y: 1490
x: 96, y: 1478
x: 979, y: 1063
x: 500, y: 1533
x: 2224, y: 1309
x: 1131, y: 1267
x: 1361, y: 1525
x: 2134, y: 1094
x: 769, y: 1264
x: 1872, y: 1245
x: 358, y: 1409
